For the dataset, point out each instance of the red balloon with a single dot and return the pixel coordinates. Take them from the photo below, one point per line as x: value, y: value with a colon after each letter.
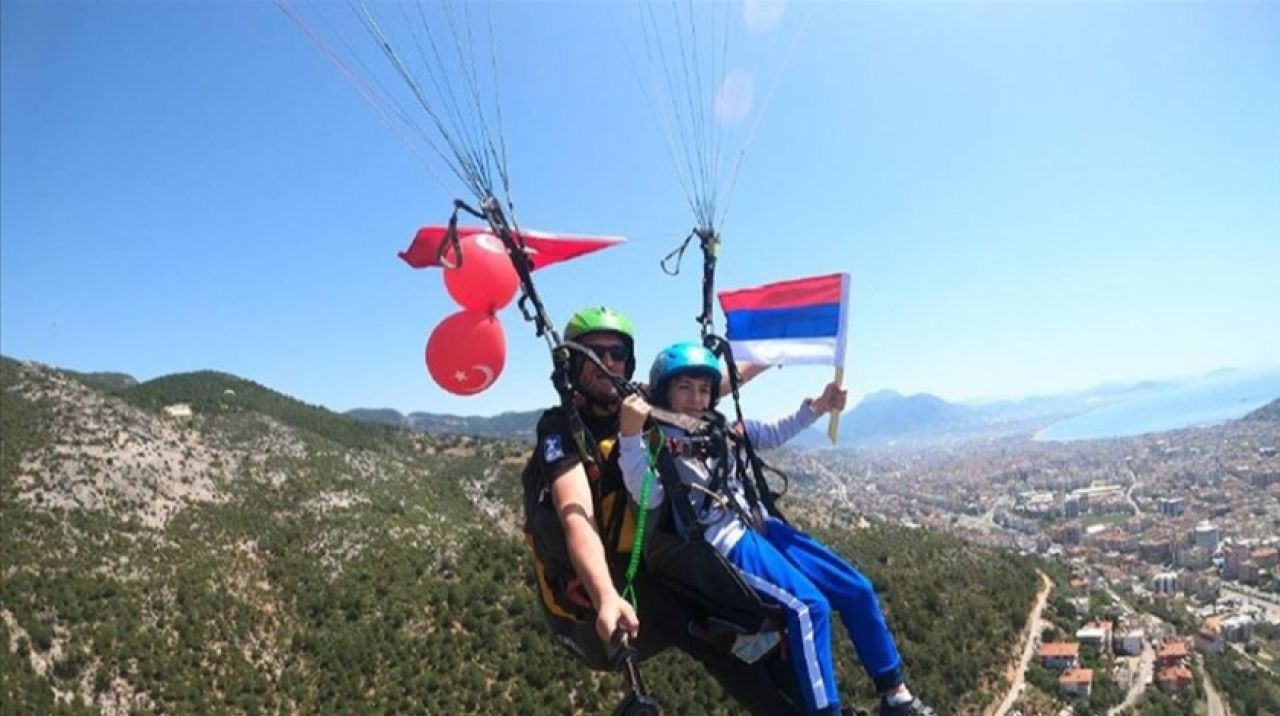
x: 486, y: 280
x: 466, y: 352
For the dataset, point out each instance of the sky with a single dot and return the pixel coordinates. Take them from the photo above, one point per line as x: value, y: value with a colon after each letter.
x: 1029, y: 197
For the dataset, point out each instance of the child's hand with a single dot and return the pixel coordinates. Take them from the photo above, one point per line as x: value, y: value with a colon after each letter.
x: 833, y: 398
x: 632, y: 414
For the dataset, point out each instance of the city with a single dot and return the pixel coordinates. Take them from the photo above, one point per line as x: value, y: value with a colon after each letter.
x: 1167, y: 548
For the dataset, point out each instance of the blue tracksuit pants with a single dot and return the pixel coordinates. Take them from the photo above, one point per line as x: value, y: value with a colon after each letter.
x: 789, y: 568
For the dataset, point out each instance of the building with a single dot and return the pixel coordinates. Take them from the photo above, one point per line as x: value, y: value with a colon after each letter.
x: 1096, y: 635
x: 1173, y: 652
x: 1191, y: 557
x: 1058, y: 656
x: 1207, y: 587
x: 1113, y: 540
x: 1097, y: 493
x: 1080, y: 586
x: 1128, y: 642
x: 1077, y: 682
x: 1206, y: 535
x: 1187, y: 582
x: 1209, y: 637
x: 1238, y: 628
x: 1264, y: 479
x: 178, y: 410
x: 1156, y: 551
x: 1080, y: 605
x: 1248, y: 572
x: 1265, y: 557
x: 1171, y: 506
x: 1035, y: 503
x: 1172, y: 679
x: 1165, y: 583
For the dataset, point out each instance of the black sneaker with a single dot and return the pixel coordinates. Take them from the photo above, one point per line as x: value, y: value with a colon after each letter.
x: 910, y: 708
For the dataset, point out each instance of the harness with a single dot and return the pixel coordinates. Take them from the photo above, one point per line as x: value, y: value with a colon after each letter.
x: 749, y: 467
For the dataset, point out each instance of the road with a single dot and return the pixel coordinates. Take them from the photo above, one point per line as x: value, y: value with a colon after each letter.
x: 1217, y: 707
x: 1145, y: 674
x: 1266, y: 603
x: 1257, y: 593
x: 1032, y: 638
x: 1146, y: 665
x: 1128, y: 495
x: 1141, y: 680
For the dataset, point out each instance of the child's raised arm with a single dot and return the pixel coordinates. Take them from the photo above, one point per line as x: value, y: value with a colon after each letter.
x: 775, y: 433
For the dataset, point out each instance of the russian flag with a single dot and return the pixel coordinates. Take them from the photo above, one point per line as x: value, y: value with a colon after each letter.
x: 797, y: 322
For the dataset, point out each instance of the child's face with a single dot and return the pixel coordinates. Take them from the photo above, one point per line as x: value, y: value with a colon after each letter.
x: 689, y: 394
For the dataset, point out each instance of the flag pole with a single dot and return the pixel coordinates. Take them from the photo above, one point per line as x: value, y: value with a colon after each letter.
x: 833, y: 427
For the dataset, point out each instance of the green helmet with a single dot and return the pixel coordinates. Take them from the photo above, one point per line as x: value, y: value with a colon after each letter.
x: 601, y: 319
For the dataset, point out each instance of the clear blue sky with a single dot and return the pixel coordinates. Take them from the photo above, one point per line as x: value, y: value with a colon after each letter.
x: 1030, y: 197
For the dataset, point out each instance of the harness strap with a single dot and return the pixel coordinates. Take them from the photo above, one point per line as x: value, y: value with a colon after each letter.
x: 677, y: 254
x: 678, y: 496
x: 710, y: 242
x: 642, y: 518
x: 755, y: 485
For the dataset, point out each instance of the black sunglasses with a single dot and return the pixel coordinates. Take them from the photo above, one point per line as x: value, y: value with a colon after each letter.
x: 617, y: 352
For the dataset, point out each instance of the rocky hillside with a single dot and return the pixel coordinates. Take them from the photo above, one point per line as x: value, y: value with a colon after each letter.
x: 512, y: 425
x: 200, y: 542
x: 1267, y: 413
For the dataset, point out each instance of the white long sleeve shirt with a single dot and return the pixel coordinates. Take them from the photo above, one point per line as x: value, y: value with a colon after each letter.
x: 722, y: 526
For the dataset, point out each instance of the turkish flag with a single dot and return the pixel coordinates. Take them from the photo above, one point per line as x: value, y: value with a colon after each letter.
x: 543, y: 248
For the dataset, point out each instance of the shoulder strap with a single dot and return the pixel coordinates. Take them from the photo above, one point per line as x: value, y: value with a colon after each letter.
x: 677, y: 494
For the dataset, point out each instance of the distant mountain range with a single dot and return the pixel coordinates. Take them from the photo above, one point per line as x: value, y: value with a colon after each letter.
x: 887, y: 416
x: 879, y: 418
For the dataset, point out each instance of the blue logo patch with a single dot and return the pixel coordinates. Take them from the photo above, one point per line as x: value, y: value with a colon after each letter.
x: 552, y: 450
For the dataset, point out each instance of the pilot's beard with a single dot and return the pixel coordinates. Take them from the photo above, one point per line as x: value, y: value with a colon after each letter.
x: 600, y: 400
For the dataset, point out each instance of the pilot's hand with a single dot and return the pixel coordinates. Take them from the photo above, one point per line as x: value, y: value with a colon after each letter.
x: 616, y: 613
x: 632, y: 414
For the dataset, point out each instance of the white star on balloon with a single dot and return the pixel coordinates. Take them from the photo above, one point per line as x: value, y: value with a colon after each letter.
x: 460, y: 376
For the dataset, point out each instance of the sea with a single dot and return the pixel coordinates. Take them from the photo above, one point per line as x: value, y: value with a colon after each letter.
x: 1199, y: 402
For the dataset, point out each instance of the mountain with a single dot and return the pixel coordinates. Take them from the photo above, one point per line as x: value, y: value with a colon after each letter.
x: 259, y: 554
x: 380, y: 416
x: 1269, y: 412
x: 887, y: 413
x: 887, y: 416
x: 512, y: 425
x: 879, y: 418
x: 106, y: 381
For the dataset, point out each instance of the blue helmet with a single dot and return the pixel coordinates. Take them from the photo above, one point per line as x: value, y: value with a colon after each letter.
x: 681, y: 358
